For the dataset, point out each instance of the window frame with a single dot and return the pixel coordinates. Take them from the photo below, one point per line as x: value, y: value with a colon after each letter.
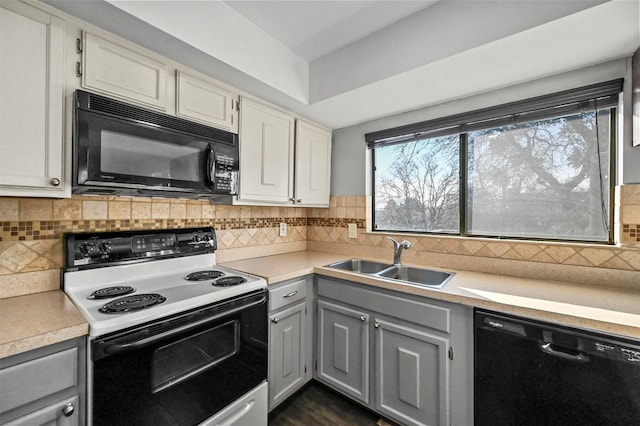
x: 463, y: 173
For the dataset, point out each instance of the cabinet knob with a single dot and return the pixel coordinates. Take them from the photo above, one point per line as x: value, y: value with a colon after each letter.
x: 68, y: 410
x: 293, y: 200
x: 274, y: 320
x: 55, y: 182
x: 376, y: 325
x: 299, y: 200
x: 362, y: 318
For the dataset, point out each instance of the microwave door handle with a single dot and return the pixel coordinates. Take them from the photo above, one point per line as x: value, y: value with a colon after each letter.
x: 134, y: 344
x: 211, y: 167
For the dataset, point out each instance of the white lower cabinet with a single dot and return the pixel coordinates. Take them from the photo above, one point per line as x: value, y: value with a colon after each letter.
x: 406, y: 357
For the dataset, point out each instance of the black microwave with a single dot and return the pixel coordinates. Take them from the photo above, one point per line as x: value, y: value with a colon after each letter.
x: 122, y: 149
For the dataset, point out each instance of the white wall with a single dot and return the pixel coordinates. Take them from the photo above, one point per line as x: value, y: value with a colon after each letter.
x: 350, y: 168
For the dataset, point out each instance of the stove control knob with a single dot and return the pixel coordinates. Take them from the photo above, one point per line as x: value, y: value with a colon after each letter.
x: 84, y: 250
x: 104, y: 247
x: 68, y: 410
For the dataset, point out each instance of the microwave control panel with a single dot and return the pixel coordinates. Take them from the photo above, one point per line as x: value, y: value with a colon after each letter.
x: 225, y: 173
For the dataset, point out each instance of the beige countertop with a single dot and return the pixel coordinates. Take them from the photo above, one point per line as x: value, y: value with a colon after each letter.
x: 605, y: 309
x: 36, y: 320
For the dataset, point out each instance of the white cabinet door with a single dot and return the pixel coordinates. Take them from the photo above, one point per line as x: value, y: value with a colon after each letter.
x: 266, y: 153
x: 412, y: 375
x: 206, y: 102
x: 287, y: 341
x: 114, y: 70
x: 31, y: 102
x: 313, y: 164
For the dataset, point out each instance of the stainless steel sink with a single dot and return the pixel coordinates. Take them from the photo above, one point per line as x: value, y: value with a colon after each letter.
x: 417, y: 276
x: 407, y: 274
x: 360, y: 265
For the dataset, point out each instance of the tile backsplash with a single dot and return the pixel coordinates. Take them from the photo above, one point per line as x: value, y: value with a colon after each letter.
x: 32, y: 229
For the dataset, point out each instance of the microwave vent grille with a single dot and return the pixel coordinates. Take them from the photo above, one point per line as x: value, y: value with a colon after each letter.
x: 141, y: 115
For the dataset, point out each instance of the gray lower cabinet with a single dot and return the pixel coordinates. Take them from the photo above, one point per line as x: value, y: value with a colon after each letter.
x: 45, y: 386
x: 290, y: 345
x: 343, y: 349
x: 412, y: 373
x: 408, y: 358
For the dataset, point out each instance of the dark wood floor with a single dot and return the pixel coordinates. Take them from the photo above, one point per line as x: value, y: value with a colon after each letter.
x: 316, y: 405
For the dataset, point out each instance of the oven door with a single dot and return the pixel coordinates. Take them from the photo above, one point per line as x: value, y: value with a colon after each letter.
x: 180, y: 370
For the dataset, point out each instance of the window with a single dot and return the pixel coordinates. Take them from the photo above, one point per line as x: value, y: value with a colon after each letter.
x: 537, y: 169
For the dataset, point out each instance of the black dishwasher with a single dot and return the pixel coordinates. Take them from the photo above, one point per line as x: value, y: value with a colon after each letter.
x: 533, y: 373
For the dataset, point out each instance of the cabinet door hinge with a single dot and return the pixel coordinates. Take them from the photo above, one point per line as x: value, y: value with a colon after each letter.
x: 305, y: 369
x: 305, y: 310
x: 79, y: 45
x: 316, y: 365
x: 238, y: 105
x: 451, y: 352
x: 79, y: 69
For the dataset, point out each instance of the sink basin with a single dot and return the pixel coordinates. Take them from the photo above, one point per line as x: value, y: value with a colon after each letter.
x: 417, y: 276
x: 359, y: 265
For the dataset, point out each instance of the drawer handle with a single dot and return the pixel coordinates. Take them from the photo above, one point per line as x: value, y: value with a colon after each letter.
x: 68, y: 410
x: 293, y: 293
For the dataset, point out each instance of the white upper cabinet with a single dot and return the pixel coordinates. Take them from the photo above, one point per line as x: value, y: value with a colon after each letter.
x: 313, y: 164
x: 266, y: 153
x: 205, y: 101
x: 31, y: 102
x: 115, y: 70
x: 270, y: 152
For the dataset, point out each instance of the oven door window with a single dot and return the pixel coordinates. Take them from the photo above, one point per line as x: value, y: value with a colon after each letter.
x: 121, y: 154
x: 173, y: 363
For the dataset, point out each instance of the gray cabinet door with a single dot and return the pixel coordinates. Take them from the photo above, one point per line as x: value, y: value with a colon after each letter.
x: 412, y: 375
x: 52, y: 415
x: 343, y: 349
x: 286, y: 353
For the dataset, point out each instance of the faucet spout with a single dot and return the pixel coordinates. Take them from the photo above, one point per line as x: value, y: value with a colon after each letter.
x: 397, y: 250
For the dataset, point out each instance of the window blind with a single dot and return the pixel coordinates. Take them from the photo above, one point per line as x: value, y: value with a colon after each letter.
x: 600, y: 95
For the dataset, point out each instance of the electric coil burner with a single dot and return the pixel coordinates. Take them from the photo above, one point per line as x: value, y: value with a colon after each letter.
x: 132, y: 303
x: 109, y: 292
x: 229, y: 281
x: 204, y: 275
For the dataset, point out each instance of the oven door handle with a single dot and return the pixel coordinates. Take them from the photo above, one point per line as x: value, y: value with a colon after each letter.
x: 134, y: 344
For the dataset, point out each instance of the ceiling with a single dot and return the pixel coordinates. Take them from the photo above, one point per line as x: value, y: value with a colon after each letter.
x: 346, y: 62
x: 322, y: 27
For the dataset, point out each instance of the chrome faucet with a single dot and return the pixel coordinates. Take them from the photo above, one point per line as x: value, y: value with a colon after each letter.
x: 397, y: 250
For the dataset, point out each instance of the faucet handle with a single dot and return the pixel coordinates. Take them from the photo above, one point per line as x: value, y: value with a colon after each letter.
x: 395, y: 243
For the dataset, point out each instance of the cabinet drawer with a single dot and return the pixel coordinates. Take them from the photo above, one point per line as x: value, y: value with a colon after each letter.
x: 52, y: 415
x: 287, y: 294
x: 31, y: 380
x: 416, y: 311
